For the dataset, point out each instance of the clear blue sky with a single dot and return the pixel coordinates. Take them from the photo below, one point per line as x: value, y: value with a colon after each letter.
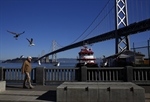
x: 60, y: 20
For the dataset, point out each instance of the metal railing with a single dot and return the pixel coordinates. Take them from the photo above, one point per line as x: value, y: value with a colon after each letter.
x: 105, y: 74
x: 60, y: 74
x: 14, y: 75
x: 141, y: 75
x: 138, y: 75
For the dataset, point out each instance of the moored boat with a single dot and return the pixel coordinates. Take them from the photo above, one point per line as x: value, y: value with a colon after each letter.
x: 86, y: 58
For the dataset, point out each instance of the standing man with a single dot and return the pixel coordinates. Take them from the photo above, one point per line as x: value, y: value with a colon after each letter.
x: 26, y: 68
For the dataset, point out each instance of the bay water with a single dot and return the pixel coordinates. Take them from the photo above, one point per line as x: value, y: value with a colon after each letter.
x: 34, y: 65
x: 64, y: 63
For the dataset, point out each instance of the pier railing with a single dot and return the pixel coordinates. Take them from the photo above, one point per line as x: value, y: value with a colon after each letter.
x: 105, y: 74
x: 43, y: 76
x: 60, y: 74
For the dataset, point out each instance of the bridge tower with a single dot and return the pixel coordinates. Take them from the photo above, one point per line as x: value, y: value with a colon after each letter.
x: 121, y: 20
x: 54, y: 47
x: 47, y: 59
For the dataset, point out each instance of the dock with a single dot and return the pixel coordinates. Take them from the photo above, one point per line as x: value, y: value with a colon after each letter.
x: 40, y: 93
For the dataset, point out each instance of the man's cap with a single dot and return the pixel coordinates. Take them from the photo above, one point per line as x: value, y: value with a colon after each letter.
x: 30, y: 57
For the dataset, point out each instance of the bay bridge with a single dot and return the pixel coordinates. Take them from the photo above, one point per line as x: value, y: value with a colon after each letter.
x: 120, y: 33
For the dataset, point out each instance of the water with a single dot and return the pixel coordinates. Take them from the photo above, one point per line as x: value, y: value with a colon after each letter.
x: 64, y: 63
x: 34, y: 65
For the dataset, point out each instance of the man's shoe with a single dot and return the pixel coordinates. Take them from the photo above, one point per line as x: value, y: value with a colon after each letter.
x: 31, y: 87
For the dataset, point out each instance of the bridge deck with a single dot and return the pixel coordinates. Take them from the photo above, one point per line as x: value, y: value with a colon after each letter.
x: 15, y: 93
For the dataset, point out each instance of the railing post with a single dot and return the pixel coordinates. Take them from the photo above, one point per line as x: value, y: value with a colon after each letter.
x: 1, y: 73
x: 40, y: 76
x: 77, y: 74
x: 128, y: 74
x: 83, y: 73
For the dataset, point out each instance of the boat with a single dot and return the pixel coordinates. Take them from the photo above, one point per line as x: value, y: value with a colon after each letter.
x: 86, y: 58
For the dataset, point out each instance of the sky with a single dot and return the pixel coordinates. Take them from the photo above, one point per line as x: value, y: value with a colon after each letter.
x: 62, y: 21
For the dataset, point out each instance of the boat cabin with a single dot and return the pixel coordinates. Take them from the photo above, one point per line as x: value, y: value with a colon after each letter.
x: 86, y: 58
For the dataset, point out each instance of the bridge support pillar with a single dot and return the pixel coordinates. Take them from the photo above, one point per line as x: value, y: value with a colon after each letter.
x: 47, y: 59
x: 40, y: 76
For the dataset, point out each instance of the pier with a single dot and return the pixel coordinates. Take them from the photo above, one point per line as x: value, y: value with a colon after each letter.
x: 15, y: 93
x: 46, y: 81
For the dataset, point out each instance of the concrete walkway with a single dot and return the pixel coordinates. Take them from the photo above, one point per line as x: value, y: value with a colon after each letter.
x: 15, y: 93
x: 147, y: 93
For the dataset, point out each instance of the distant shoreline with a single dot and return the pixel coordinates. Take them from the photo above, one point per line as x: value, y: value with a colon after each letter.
x: 34, y: 59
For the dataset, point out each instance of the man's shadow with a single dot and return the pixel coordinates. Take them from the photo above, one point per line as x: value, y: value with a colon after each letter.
x: 48, y: 96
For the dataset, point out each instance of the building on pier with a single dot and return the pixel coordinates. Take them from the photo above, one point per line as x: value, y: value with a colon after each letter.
x: 125, y: 58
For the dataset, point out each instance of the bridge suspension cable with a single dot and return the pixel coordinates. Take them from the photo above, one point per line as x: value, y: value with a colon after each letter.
x: 98, y: 24
x: 92, y: 23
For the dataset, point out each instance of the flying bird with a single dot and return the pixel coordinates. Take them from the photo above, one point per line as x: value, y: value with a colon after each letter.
x: 16, y: 34
x: 30, y: 42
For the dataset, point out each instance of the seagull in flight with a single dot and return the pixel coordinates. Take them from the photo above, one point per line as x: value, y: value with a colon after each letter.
x: 30, y: 42
x: 16, y: 34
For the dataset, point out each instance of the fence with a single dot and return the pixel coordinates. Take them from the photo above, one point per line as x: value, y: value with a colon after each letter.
x: 144, y: 48
x: 44, y: 76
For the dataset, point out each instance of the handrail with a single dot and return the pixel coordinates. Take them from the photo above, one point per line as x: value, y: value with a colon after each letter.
x: 139, y: 75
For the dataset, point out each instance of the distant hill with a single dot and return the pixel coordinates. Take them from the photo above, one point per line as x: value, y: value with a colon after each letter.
x: 70, y: 60
x: 18, y: 60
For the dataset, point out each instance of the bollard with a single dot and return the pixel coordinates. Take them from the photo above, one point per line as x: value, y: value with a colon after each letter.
x: 40, y: 76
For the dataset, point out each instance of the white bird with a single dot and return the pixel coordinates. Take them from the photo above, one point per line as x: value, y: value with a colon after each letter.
x: 16, y: 34
x: 105, y: 64
x: 31, y: 42
x: 85, y: 63
x: 57, y: 64
x: 39, y: 63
